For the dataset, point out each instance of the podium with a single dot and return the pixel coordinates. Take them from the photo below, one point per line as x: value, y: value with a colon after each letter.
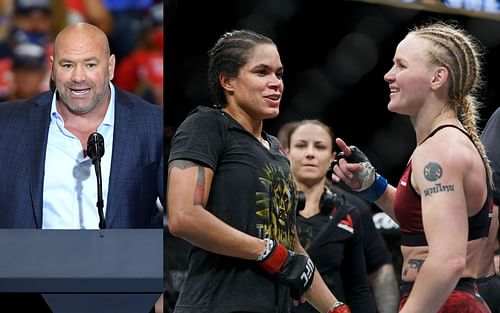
x: 82, y: 271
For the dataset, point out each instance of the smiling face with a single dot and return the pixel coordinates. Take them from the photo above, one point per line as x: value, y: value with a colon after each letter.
x: 82, y: 68
x: 258, y: 87
x: 410, y: 77
x: 310, y: 153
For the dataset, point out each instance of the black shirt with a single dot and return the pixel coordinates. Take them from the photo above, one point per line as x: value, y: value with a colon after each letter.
x: 335, y: 244
x: 253, y: 191
x: 375, y: 248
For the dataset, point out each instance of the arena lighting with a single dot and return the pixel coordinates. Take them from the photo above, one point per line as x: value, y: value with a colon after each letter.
x: 489, y: 9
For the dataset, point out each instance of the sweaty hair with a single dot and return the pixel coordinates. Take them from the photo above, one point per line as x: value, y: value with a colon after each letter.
x: 460, y: 54
x: 229, y: 54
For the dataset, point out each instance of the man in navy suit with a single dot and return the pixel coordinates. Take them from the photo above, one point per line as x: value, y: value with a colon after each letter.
x: 46, y: 178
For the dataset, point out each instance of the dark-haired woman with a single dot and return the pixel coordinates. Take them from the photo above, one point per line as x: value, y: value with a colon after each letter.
x: 231, y: 194
x: 329, y: 227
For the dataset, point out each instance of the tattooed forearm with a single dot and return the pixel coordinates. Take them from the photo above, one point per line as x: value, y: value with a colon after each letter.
x: 200, y: 187
x: 413, y: 264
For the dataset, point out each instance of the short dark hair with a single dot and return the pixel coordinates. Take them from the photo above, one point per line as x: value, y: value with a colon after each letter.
x: 231, y: 51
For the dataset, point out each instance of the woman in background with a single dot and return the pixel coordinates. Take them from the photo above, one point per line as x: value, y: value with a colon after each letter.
x: 329, y: 227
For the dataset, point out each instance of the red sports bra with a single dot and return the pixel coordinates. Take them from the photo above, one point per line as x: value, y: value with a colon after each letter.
x: 408, y: 209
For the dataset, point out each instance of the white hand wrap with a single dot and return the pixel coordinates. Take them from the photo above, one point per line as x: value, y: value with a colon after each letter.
x: 367, y: 176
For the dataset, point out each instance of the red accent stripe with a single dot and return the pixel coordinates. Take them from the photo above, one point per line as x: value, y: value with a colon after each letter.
x: 276, y: 260
x: 341, y: 309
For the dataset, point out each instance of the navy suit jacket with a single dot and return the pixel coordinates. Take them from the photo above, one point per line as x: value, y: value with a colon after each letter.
x: 136, y: 177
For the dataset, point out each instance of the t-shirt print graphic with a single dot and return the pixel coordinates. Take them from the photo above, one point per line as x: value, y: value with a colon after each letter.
x: 276, y: 206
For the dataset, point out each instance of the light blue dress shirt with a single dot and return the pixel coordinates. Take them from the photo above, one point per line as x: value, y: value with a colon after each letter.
x: 70, y: 184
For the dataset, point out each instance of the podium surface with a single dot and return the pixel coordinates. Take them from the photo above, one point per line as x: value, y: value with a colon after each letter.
x: 83, y: 264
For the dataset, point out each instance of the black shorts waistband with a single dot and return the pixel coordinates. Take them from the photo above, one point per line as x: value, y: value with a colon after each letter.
x: 466, y: 284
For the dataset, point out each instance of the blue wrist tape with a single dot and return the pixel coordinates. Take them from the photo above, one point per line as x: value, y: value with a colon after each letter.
x: 376, y: 189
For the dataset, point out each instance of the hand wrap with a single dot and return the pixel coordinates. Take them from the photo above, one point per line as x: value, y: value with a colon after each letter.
x: 339, y: 307
x: 372, y: 184
x: 293, y: 269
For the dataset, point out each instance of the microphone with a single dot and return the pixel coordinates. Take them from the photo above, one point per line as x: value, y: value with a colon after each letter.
x: 95, y: 147
x: 95, y: 151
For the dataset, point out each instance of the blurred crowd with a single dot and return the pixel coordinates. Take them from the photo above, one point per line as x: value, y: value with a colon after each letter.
x: 28, y: 28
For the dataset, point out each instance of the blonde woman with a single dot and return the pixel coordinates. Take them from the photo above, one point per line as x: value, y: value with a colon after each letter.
x: 443, y: 198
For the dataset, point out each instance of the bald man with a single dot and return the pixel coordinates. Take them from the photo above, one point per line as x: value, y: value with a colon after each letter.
x: 47, y: 180
x: 82, y: 68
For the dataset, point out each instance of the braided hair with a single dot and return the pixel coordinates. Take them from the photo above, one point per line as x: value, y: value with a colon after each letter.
x: 461, y: 55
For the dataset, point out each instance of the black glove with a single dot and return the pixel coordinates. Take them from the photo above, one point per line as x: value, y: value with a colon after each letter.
x: 372, y: 184
x: 293, y: 269
x: 357, y: 156
x: 367, y: 175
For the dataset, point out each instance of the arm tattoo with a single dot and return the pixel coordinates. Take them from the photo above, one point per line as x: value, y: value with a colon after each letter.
x: 182, y: 164
x: 414, y: 264
x: 200, y: 187
x: 432, y: 172
x: 200, y: 178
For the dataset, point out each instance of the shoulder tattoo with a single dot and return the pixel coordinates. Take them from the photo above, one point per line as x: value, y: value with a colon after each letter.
x: 433, y: 171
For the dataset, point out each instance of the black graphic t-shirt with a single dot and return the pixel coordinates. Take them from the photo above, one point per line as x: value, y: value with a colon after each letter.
x: 253, y: 191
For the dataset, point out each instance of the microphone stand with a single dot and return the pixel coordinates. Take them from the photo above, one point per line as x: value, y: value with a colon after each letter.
x: 100, y: 201
x: 95, y: 150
